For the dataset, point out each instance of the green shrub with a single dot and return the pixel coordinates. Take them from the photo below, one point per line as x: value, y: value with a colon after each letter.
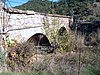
x: 65, y: 42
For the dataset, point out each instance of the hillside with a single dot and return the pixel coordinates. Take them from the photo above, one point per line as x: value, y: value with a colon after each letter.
x: 35, y: 5
x: 60, y: 7
x: 72, y: 7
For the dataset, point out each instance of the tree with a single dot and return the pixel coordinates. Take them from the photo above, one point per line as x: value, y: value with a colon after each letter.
x: 82, y: 8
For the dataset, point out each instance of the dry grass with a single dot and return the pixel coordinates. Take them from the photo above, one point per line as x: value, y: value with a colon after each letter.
x: 24, y: 59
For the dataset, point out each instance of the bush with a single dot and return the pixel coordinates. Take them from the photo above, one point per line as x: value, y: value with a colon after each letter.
x: 18, y: 57
x: 65, y: 42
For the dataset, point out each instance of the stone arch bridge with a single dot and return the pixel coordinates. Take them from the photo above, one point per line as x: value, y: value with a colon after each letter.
x: 24, y: 25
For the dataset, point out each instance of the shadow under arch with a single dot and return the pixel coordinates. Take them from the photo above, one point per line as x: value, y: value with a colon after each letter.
x: 61, y: 31
x: 39, y: 39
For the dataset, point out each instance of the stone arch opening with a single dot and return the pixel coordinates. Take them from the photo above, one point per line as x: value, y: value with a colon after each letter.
x: 39, y: 39
x: 61, y: 31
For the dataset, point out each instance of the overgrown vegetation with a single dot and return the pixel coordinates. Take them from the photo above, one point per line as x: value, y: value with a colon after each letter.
x: 25, y: 73
x: 18, y: 57
x: 92, y: 61
x: 22, y: 58
x: 59, y: 37
x: 65, y: 60
x: 58, y: 64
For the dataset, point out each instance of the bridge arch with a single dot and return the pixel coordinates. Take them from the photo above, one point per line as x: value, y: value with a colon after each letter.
x: 39, y: 39
x: 61, y: 31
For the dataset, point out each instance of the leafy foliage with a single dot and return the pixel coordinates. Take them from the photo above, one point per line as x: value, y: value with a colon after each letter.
x: 63, y: 7
x: 59, y: 37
